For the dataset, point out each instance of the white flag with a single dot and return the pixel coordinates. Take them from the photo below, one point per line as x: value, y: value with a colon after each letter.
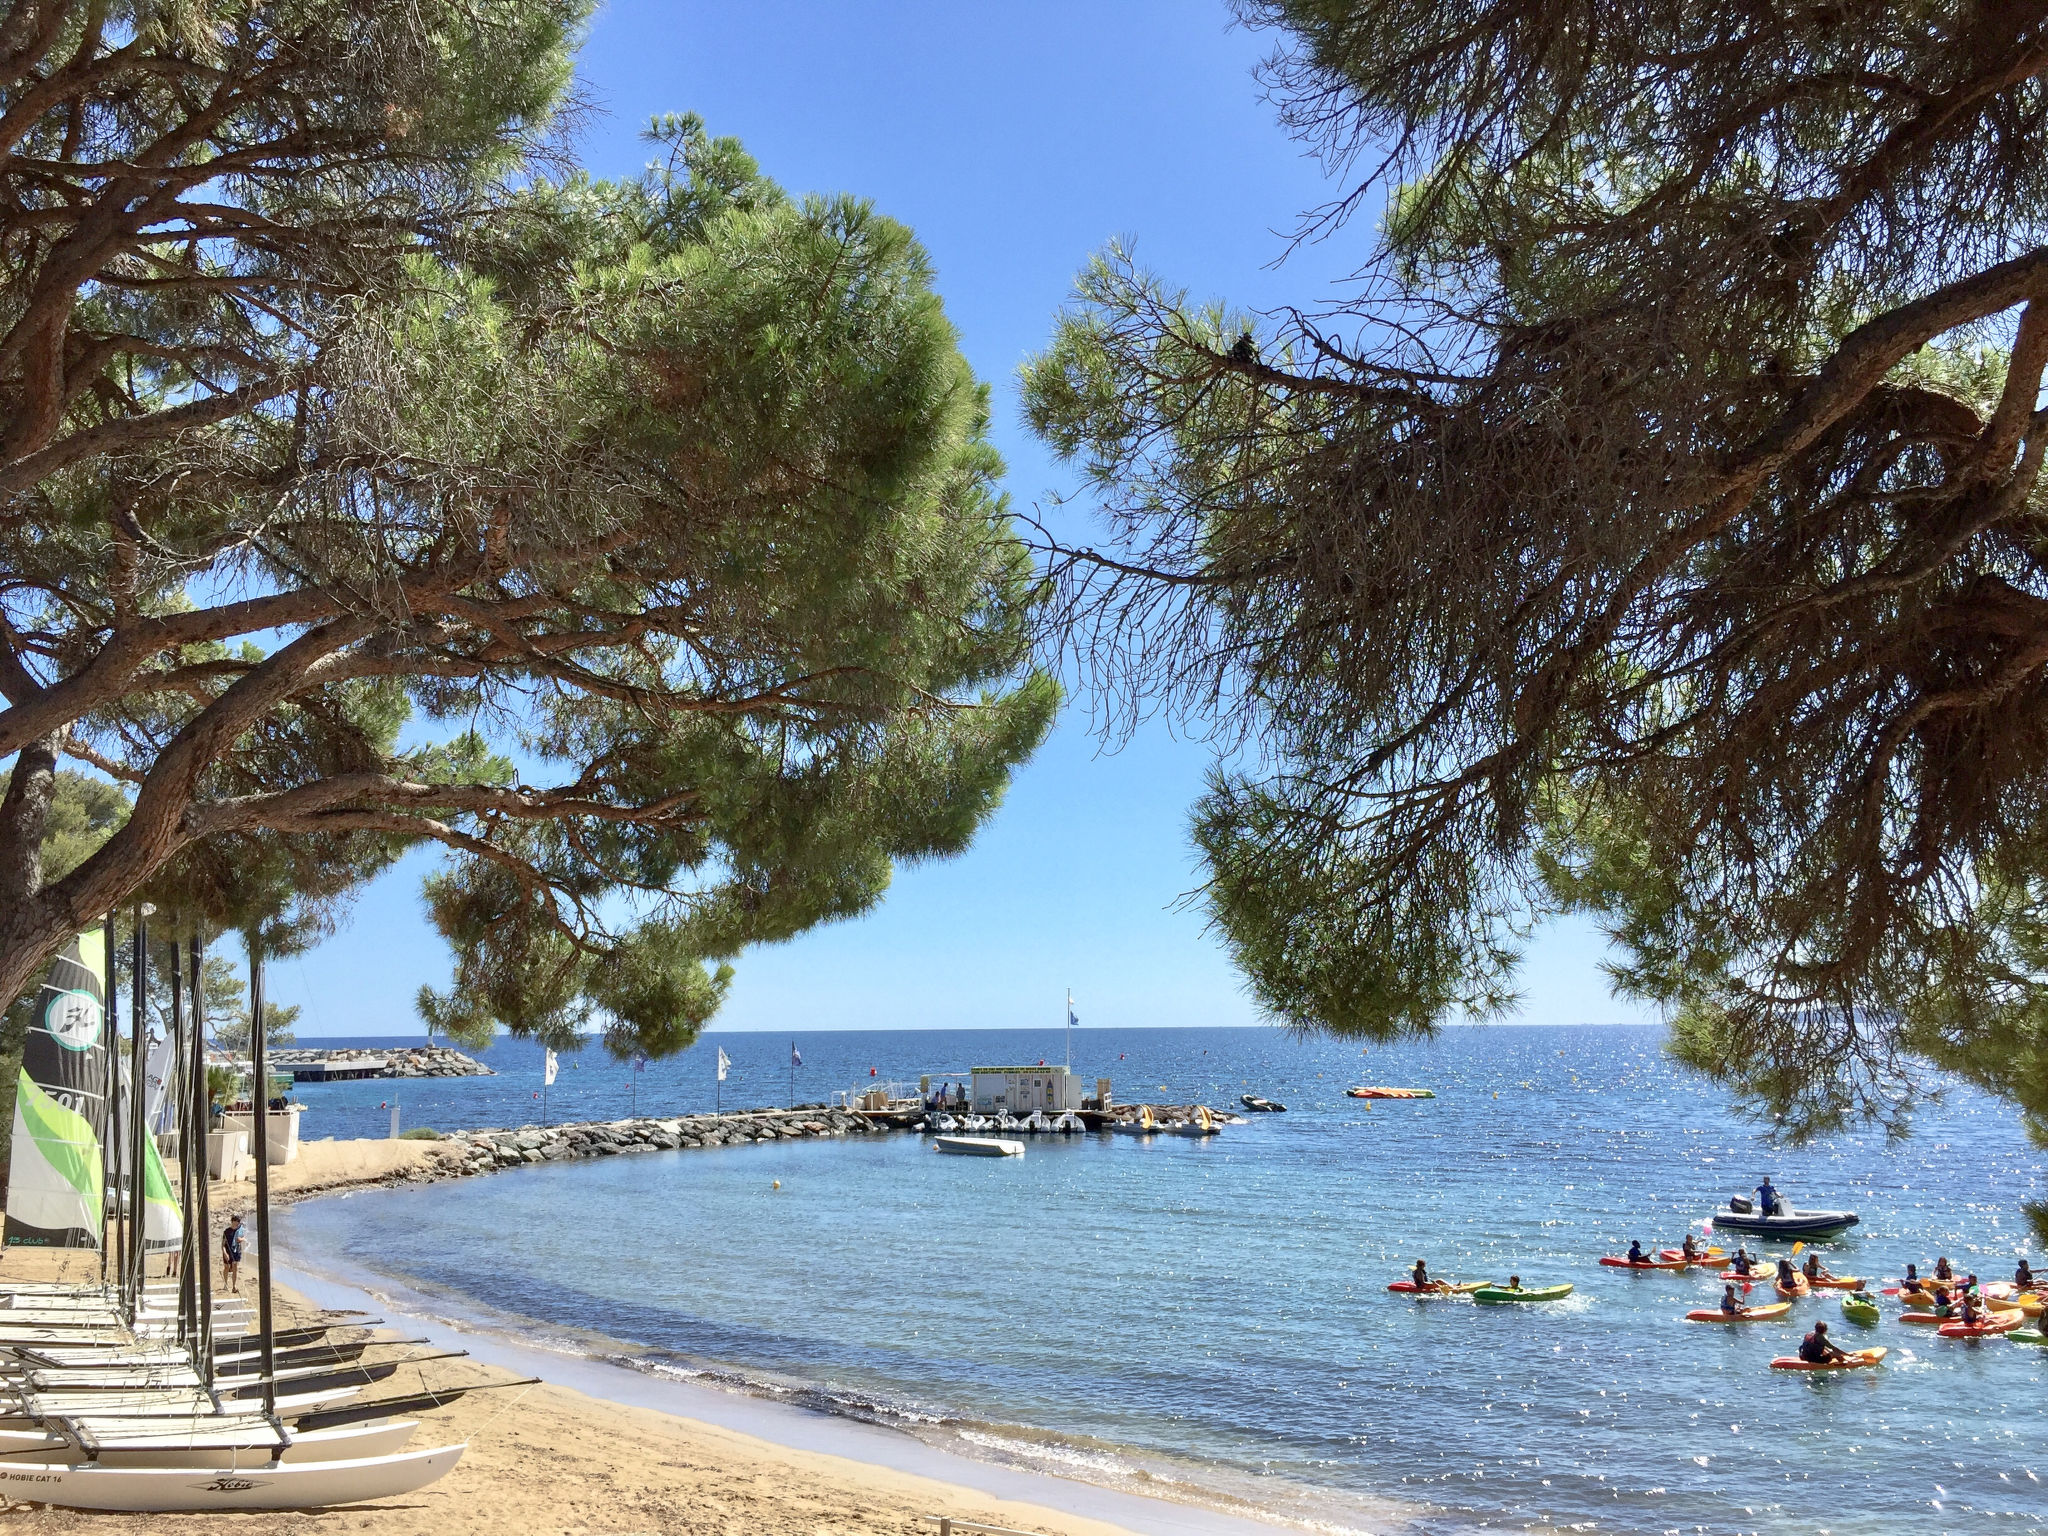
x: 548, y: 1073
x: 724, y: 1061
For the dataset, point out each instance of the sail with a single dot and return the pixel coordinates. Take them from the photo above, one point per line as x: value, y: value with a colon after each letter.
x: 163, y: 1225
x: 56, y: 1182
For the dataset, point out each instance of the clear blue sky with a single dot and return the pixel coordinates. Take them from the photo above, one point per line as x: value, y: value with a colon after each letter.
x: 1016, y: 141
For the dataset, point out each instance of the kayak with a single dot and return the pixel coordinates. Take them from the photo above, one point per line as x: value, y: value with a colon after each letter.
x: 1839, y: 1283
x: 2028, y: 1336
x: 1612, y: 1262
x: 2005, y: 1322
x: 1797, y: 1289
x: 1754, y: 1277
x: 1526, y: 1293
x: 1704, y: 1257
x: 1437, y: 1287
x: 1859, y: 1308
x: 1771, y: 1313
x: 2027, y: 1303
x: 1856, y: 1358
x: 1923, y: 1319
x: 1390, y: 1093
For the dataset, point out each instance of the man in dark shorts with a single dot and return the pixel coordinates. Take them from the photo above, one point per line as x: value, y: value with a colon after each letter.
x: 1815, y: 1349
x: 231, y: 1254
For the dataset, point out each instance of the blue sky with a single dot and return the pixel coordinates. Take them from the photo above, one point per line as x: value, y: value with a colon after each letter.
x: 1015, y: 141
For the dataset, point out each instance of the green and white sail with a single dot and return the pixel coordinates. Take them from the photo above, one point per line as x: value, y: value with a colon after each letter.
x: 163, y: 1224
x: 56, y: 1181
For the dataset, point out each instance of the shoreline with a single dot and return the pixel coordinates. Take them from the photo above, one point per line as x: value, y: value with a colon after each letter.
x: 742, y: 1406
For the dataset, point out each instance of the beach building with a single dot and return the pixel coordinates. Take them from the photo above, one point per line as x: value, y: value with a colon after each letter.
x: 1021, y: 1090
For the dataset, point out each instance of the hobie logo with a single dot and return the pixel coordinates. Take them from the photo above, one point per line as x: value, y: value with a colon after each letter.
x: 73, y: 1020
x: 230, y: 1485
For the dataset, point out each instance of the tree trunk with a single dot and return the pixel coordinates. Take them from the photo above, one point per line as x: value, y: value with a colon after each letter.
x: 24, y: 817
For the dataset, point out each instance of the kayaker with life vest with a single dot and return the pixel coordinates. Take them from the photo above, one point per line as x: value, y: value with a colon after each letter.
x: 1636, y: 1254
x: 1741, y: 1263
x: 1729, y: 1305
x: 1970, y: 1313
x: 2022, y: 1276
x: 1815, y: 1349
x: 1788, y: 1277
x: 1689, y: 1248
x: 1912, y: 1280
x: 1767, y: 1197
x: 1813, y: 1271
x: 1942, y: 1270
x: 1420, y: 1275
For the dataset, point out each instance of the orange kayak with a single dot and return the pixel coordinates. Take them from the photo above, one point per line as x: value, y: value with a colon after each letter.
x: 1923, y: 1319
x: 1839, y: 1283
x: 1856, y: 1358
x: 1612, y: 1262
x: 1771, y: 1313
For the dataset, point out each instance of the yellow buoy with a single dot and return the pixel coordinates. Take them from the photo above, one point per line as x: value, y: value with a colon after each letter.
x: 778, y: 1183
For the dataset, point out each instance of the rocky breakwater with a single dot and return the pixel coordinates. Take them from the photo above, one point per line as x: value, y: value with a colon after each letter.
x: 462, y: 1153
x: 406, y: 1061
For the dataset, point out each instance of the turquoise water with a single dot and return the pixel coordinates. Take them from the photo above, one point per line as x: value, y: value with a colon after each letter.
x: 1213, y: 1315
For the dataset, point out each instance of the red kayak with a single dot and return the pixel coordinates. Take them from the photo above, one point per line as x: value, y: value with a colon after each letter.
x: 1612, y: 1262
x: 1436, y: 1288
x: 2003, y: 1322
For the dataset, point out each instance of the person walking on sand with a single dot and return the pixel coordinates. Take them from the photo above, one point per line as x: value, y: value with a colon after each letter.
x: 231, y: 1255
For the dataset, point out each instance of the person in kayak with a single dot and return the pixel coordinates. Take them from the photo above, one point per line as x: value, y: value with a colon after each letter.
x: 1636, y: 1254
x: 1767, y: 1197
x: 1942, y: 1271
x: 1730, y: 1307
x: 2023, y: 1276
x: 1912, y: 1280
x: 1813, y: 1271
x: 1788, y: 1277
x: 1420, y: 1275
x: 1968, y: 1311
x: 1689, y: 1248
x: 1815, y: 1348
x: 1741, y: 1263
x: 1514, y: 1283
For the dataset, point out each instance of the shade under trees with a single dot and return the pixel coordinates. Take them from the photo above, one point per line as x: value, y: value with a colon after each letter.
x: 1655, y: 528
x: 379, y: 482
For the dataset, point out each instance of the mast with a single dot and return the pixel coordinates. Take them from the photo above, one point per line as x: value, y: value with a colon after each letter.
x: 110, y: 1119
x: 175, y: 1099
x: 200, y: 1216
x: 138, y: 1069
x: 260, y: 1096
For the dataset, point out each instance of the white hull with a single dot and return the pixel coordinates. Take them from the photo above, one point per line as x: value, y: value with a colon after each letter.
x: 17, y: 1414
x: 978, y: 1146
x: 178, y: 1449
x: 164, y: 1490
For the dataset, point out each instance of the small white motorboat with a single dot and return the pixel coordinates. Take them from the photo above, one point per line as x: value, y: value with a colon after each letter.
x: 978, y: 1146
x: 945, y: 1125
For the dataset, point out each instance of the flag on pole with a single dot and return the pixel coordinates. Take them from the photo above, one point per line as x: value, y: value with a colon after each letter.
x: 724, y: 1061
x: 548, y: 1072
x: 1073, y: 1018
x: 639, y: 1063
x: 796, y: 1057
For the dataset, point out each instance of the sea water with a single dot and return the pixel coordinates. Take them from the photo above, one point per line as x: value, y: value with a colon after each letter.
x: 1210, y: 1318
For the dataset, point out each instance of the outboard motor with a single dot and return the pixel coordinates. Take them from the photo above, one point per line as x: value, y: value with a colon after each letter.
x: 1740, y: 1204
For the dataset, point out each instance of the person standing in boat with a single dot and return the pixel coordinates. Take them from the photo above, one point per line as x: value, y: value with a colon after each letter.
x: 1766, y: 1197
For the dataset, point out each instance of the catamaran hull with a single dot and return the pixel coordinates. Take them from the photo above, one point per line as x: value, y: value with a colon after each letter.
x: 170, y: 1449
x: 166, y: 1490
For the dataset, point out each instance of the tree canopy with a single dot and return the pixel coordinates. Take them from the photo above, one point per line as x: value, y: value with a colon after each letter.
x: 1655, y: 529
x: 636, y: 542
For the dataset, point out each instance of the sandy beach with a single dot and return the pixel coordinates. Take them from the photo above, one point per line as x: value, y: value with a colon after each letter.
x: 551, y: 1459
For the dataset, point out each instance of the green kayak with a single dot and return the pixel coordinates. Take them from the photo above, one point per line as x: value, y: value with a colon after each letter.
x: 1523, y: 1293
x: 1859, y: 1308
x: 2028, y: 1336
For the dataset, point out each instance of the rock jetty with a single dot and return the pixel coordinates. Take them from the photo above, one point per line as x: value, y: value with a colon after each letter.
x: 471, y: 1152
x: 354, y: 1062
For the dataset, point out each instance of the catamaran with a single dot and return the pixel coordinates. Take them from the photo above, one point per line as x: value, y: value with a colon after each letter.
x: 138, y: 1397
